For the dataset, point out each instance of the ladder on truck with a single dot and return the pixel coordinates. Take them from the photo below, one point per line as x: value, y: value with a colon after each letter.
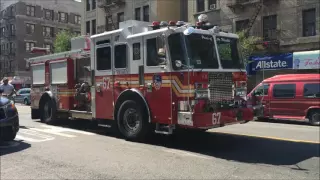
x: 108, y: 6
x: 254, y: 16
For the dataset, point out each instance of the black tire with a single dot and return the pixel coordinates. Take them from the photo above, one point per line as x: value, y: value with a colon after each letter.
x: 139, y: 118
x: 48, y: 112
x: 8, y: 134
x: 314, y: 117
x: 25, y: 102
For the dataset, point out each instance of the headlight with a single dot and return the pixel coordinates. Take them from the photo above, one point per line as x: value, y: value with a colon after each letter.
x: 201, y: 94
x: 11, y: 109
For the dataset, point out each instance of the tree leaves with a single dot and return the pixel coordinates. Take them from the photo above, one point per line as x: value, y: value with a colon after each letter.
x: 248, y: 44
x: 63, y: 41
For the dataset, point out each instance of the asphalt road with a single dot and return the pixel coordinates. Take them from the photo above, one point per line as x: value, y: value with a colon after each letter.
x: 257, y: 150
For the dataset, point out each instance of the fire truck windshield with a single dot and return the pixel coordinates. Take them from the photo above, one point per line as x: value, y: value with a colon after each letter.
x: 229, y: 53
x: 200, y: 50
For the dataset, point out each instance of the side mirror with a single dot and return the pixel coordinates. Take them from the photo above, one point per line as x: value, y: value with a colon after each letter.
x: 178, y: 63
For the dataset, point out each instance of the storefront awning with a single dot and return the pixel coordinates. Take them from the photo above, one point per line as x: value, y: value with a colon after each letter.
x: 306, y: 60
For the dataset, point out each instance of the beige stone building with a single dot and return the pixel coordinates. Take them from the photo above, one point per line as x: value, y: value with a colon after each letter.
x: 287, y: 25
x: 97, y: 20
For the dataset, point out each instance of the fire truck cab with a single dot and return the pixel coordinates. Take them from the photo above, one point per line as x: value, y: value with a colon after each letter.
x: 146, y: 77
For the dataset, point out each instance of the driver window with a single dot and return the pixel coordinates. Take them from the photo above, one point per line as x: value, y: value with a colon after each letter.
x: 176, y: 49
x: 262, y: 90
x: 156, y: 53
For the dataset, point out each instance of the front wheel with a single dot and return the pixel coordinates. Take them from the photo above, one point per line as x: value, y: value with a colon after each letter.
x: 314, y: 118
x: 132, y: 120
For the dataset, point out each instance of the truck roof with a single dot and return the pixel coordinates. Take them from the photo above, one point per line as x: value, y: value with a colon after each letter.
x: 293, y: 77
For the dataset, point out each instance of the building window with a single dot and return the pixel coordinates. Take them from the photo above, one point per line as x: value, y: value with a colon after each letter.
x: 120, y: 17
x: 47, y: 31
x: 242, y: 25
x: 94, y: 27
x: 2, y: 32
x: 309, y: 22
x: 137, y: 14
x: 109, y: 26
x: 103, y: 58
x: 200, y: 5
x: 270, y: 27
x: 88, y: 27
x: 311, y: 90
x: 77, y: 19
x: 284, y: 90
x: 48, y: 14
x: 212, y: 4
x: 29, y: 46
x: 12, y: 29
x: 88, y: 5
x: 30, y: 10
x: 12, y: 10
x: 94, y: 4
x: 12, y: 48
x: 63, y: 17
x: 30, y: 28
x: 146, y: 13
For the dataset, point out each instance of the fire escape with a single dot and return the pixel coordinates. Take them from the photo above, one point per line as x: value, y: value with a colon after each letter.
x: 109, y: 6
x: 8, y: 35
x: 236, y: 5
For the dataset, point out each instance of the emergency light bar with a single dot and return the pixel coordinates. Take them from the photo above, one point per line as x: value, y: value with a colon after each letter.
x: 202, y: 23
x: 157, y: 25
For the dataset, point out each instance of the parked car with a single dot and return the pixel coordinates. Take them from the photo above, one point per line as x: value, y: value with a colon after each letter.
x: 9, y: 119
x: 23, y: 96
x: 289, y: 97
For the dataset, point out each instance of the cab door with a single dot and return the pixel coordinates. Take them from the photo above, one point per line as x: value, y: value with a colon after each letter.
x: 158, y: 77
x: 103, y: 79
x: 261, y: 98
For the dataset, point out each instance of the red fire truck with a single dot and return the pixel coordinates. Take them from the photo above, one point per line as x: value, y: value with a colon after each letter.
x: 144, y: 78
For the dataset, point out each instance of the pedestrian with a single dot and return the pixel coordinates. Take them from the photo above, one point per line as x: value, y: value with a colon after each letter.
x: 7, y: 88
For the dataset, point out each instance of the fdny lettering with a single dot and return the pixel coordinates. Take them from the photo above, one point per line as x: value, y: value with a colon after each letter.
x: 271, y: 64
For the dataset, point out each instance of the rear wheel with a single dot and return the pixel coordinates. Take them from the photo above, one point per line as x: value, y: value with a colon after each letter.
x: 132, y: 120
x: 48, y: 112
x: 314, y: 117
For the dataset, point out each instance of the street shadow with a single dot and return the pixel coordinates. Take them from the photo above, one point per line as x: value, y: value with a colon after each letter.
x: 224, y: 146
x: 12, y: 147
x: 240, y: 148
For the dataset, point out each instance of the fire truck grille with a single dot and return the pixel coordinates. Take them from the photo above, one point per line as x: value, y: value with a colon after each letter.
x: 221, y: 89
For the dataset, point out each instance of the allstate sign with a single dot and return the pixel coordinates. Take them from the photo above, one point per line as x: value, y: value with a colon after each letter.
x: 283, y: 61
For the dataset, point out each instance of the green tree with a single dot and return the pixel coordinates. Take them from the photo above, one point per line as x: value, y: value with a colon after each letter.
x: 248, y: 45
x: 63, y: 41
